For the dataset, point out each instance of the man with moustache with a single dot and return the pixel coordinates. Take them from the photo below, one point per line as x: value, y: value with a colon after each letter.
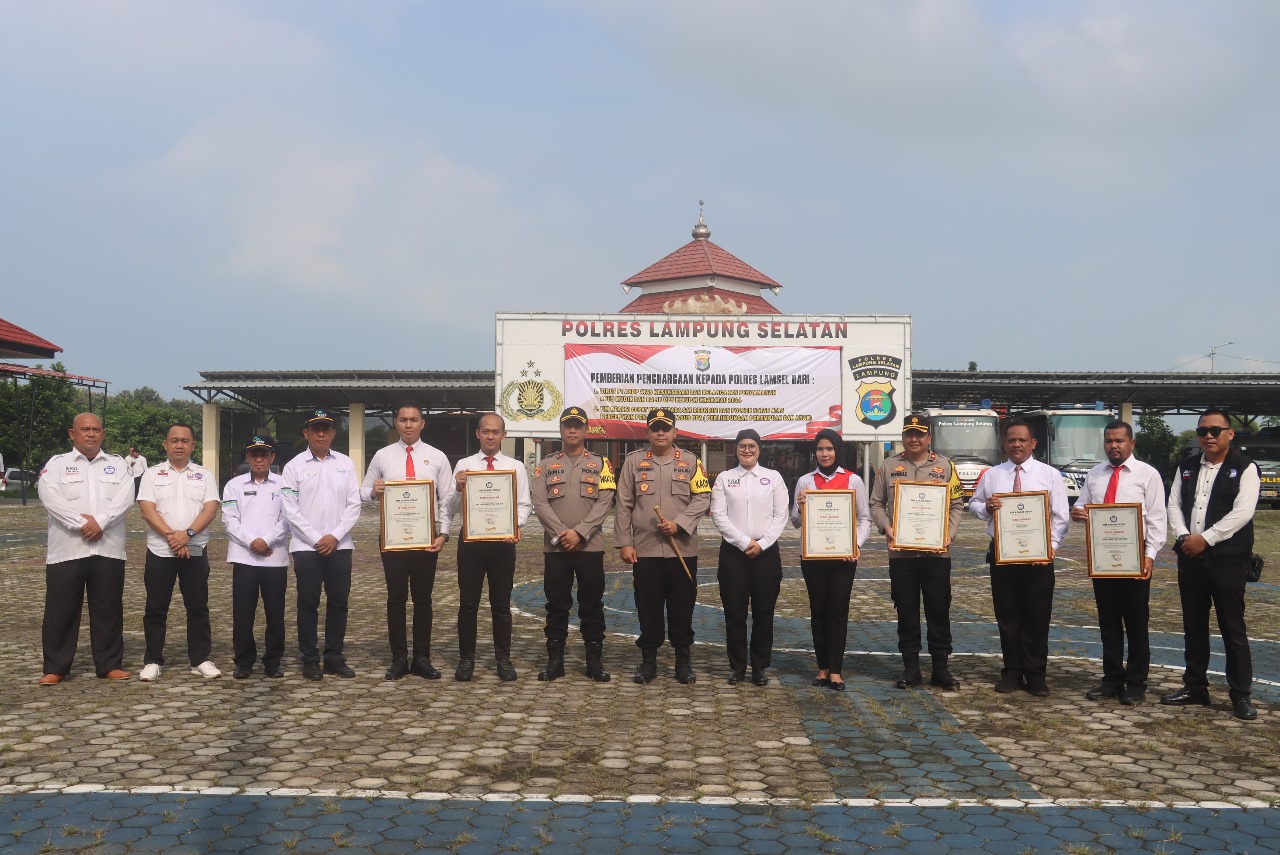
x: 1124, y: 604
x: 1022, y: 594
x: 411, y: 459
x: 86, y: 493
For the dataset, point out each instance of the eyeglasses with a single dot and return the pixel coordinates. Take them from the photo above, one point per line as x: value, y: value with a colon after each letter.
x: 1215, y: 431
x: 748, y: 448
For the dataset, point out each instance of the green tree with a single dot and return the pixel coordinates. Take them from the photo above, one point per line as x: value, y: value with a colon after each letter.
x: 138, y: 418
x: 1158, y: 445
x: 973, y: 366
x: 44, y: 406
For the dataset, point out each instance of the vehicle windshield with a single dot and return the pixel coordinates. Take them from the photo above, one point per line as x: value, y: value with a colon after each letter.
x: 1078, y: 438
x: 961, y: 437
x: 1263, y: 455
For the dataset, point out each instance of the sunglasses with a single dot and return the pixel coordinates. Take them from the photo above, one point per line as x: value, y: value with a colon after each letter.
x: 1215, y: 431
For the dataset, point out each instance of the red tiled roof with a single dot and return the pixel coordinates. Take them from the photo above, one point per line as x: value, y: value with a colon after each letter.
x: 15, y: 341
x: 27, y: 371
x: 699, y: 258
x: 652, y: 304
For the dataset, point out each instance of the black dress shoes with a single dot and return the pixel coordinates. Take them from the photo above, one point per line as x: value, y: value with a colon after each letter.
x: 338, y: 667
x: 506, y: 671
x: 736, y: 677
x: 835, y: 685
x: 1243, y: 709
x: 1036, y: 687
x: 397, y: 670
x: 275, y: 673
x: 821, y: 681
x: 1133, y: 696
x: 1009, y: 683
x: 1102, y: 692
x: 466, y: 667
x: 311, y: 670
x: 759, y: 678
x: 242, y: 672
x: 1185, y: 697
x: 423, y: 668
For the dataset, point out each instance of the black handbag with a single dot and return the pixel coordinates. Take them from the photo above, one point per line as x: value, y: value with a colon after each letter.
x: 1253, y: 569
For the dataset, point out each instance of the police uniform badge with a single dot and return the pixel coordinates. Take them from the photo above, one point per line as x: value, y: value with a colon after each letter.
x: 700, y: 484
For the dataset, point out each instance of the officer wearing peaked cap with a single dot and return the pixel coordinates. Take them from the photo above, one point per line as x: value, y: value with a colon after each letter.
x: 572, y: 493
x: 666, y: 479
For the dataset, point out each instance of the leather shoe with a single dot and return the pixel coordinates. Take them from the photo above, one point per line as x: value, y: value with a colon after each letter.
x: 1036, y: 687
x: 423, y: 668
x: 1102, y: 691
x: 117, y: 674
x: 275, y: 673
x: 506, y: 671
x: 1133, y: 696
x: 466, y: 667
x: 311, y: 670
x: 736, y: 677
x: 51, y: 679
x: 1186, y: 697
x: 1243, y: 709
x: 242, y: 672
x: 1009, y: 683
x: 821, y: 681
x: 759, y: 678
x: 337, y: 666
x: 396, y: 670
x: 836, y: 685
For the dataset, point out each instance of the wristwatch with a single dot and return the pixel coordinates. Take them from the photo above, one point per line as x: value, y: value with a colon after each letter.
x: 191, y: 532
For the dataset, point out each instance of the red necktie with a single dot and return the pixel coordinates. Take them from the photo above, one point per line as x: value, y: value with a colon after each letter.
x: 490, y: 459
x: 408, y: 464
x: 1110, y: 497
x: 1017, y: 479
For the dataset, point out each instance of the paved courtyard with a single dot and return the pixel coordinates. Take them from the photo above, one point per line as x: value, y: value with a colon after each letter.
x: 192, y: 765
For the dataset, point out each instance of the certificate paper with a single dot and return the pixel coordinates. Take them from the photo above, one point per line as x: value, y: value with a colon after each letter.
x: 1022, y: 528
x: 921, y: 516
x: 408, y: 515
x: 828, y: 525
x: 1115, y: 542
x: 489, y: 505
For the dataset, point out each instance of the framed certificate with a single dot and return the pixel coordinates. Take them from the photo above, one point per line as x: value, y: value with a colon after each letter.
x: 1115, y: 545
x: 921, y: 516
x: 489, y: 505
x: 828, y: 525
x: 408, y: 515
x: 1022, y: 528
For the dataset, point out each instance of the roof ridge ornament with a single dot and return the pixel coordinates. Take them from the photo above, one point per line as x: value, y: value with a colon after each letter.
x: 701, y: 231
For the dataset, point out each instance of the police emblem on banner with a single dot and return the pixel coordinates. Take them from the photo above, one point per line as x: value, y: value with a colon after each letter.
x: 702, y: 360
x: 876, y: 373
x: 530, y: 397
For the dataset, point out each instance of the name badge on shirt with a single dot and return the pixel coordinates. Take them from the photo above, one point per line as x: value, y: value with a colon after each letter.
x: 250, y: 493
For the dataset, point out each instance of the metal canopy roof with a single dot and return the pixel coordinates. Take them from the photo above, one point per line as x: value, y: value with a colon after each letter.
x: 1163, y: 392
x: 436, y: 391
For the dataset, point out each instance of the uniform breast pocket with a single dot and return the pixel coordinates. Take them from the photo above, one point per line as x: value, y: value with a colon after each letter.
x: 73, y: 488
x: 680, y: 488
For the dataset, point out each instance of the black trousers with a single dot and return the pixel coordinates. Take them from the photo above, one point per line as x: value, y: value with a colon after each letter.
x: 830, y: 584
x: 65, y: 586
x: 755, y: 583
x: 1023, y: 598
x: 559, y: 571
x: 497, y: 561
x: 1220, y: 584
x: 313, y: 571
x: 663, y: 589
x: 912, y: 578
x: 192, y: 576
x: 248, y: 581
x: 404, y: 572
x: 1124, y: 608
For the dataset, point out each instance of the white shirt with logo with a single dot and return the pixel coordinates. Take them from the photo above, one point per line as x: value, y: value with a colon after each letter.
x: 71, y: 486
x: 321, y: 497
x: 179, y: 497
x: 252, y: 510
x: 749, y: 504
x: 137, y: 465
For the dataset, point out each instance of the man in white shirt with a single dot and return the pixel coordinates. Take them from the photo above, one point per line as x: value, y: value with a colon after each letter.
x: 136, y: 464
x: 178, y: 500
x: 1124, y: 604
x: 86, y: 494
x: 1022, y: 594
x: 321, y: 505
x: 257, y: 550
x: 492, y: 558
x: 749, y: 508
x: 411, y: 459
x: 1211, y: 506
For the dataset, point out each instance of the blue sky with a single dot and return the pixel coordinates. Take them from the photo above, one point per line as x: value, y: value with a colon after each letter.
x: 1057, y: 185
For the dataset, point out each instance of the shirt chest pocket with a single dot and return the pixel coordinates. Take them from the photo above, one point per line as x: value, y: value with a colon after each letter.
x: 73, y: 485
x: 680, y: 485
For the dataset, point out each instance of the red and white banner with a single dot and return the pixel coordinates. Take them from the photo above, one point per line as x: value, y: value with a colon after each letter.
x: 782, y: 392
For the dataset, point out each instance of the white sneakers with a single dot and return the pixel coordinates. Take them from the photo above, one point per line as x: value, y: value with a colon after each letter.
x: 149, y: 673
x: 206, y: 669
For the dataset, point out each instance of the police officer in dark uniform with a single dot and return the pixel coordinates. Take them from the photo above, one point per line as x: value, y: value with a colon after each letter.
x: 662, y: 478
x: 572, y: 493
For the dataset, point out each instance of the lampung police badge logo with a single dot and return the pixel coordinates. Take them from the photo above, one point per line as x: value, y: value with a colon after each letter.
x: 530, y: 397
x: 875, y: 373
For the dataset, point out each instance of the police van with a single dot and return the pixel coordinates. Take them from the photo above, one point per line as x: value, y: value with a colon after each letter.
x: 1263, y: 448
x: 970, y: 437
x: 1070, y: 440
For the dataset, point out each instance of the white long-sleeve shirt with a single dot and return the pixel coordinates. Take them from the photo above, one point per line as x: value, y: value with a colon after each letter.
x: 136, y: 465
x: 179, y: 496
x: 1036, y: 476
x: 808, y: 481
x: 71, y: 486
x: 1241, y: 512
x: 749, y: 504
x: 1139, y: 483
x: 478, y: 463
x: 321, y: 496
x: 251, y: 510
x: 429, y: 464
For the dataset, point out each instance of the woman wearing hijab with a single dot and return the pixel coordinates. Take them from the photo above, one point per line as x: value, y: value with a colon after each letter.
x: 749, y: 509
x: 830, y: 580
